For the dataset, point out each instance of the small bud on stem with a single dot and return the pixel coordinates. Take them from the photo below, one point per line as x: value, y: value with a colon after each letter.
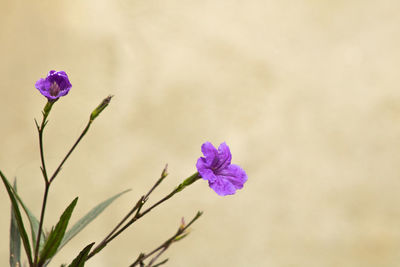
x: 100, y: 107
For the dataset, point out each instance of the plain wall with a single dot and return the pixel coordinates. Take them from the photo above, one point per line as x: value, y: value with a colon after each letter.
x: 305, y: 93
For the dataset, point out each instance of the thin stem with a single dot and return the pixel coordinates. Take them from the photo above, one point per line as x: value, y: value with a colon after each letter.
x: 115, y: 232
x: 139, y: 214
x: 153, y: 260
x: 164, y: 246
x: 46, y: 112
x: 43, y: 168
x: 49, y: 181
x: 187, y: 182
x: 104, y: 242
x: 164, y: 174
x: 71, y: 150
x: 159, y: 202
x: 161, y: 263
x: 139, y: 204
x: 44, y: 172
x: 46, y: 192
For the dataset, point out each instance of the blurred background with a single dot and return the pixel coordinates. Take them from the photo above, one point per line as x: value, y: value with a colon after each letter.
x: 305, y: 93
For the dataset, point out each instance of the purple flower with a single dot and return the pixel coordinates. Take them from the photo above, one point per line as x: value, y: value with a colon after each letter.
x: 55, y: 85
x: 222, y: 176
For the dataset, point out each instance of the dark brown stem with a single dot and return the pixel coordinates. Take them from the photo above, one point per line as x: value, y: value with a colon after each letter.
x: 139, y: 214
x: 70, y: 151
x: 164, y: 246
x: 142, y: 200
x: 47, y: 184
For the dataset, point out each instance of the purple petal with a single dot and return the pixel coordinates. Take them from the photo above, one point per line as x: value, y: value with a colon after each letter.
x: 222, y: 188
x: 232, y: 175
x: 224, y: 157
x: 223, y: 177
x: 61, y: 78
x: 210, y: 152
x: 41, y: 84
x: 204, y: 169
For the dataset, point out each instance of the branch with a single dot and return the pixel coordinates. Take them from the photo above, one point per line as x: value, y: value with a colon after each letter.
x: 164, y: 246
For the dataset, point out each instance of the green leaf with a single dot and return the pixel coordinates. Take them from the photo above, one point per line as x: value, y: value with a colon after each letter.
x: 79, y: 261
x: 34, y: 223
x: 56, y: 235
x: 90, y: 216
x: 18, y: 218
x: 15, y: 239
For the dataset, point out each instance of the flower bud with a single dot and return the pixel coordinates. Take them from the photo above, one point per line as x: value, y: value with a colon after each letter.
x: 100, y: 107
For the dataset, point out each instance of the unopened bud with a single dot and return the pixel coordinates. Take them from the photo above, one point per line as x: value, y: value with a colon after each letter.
x: 183, y: 224
x: 165, y: 171
x: 100, y: 107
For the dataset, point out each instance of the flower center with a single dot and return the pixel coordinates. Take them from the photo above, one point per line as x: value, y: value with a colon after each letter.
x: 54, y: 89
x: 220, y: 162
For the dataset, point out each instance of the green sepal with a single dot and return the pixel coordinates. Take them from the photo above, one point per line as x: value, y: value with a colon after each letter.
x: 18, y: 218
x: 56, y: 235
x: 188, y: 181
x: 47, y: 107
x: 15, y: 238
x: 80, y: 260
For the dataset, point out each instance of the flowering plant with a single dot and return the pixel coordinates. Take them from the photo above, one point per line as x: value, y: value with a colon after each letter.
x: 215, y: 167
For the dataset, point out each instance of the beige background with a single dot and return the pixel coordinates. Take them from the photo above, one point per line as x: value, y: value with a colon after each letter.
x: 304, y: 92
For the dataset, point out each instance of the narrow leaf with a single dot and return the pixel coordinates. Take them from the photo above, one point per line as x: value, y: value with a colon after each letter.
x: 15, y: 239
x: 18, y: 218
x: 33, y: 221
x: 56, y: 235
x: 90, y: 216
x: 79, y: 261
